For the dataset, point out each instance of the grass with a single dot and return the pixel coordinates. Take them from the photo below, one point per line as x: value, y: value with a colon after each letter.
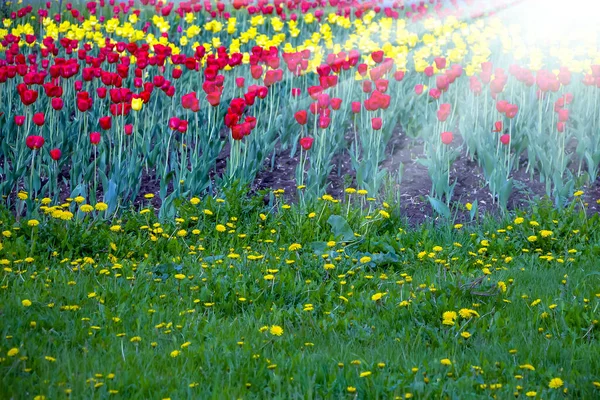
x: 100, y: 309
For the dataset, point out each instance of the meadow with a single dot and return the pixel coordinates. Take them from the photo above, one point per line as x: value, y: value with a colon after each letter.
x: 293, y: 199
x: 240, y: 300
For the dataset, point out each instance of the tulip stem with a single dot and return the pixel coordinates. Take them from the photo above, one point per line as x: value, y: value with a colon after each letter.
x: 95, y: 171
x: 31, y: 188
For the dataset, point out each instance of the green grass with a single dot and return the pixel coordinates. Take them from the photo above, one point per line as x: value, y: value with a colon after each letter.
x: 131, y: 290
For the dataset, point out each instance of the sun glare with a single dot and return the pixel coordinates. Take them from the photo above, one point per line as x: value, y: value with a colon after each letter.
x: 551, y: 21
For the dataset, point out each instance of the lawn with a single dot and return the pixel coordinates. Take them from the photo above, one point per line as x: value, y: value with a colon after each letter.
x: 235, y: 299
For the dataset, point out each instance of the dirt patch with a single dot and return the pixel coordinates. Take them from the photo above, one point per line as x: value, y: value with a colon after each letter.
x: 278, y: 172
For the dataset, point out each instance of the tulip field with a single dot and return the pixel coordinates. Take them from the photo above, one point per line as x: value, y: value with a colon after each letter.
x: 299, y: 199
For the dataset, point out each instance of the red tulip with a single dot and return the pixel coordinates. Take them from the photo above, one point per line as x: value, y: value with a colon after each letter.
x: 563, y: 115
x: 447, y: 137
x: 57, y: 103
x: 505, y: 139
x: 419, y: 89
x: 55, y: 154
x: 240, y: 81
x: 296, y: 92
x: 34, y: 142
x: 444, y: 112
x: 356, y: 106
x: 475, y: 85
x: 188, y: 101
x: 367, y: 86
x: 502, y: 106
x: 105, y: 122
x: 324, y: 122
x: 28, y: 97
x: 128, y: 129
x: 497, y: 126
x: 440, y: 62
x: 174, y: 123
x: 39, y: 119
x: 434, y: 93
x: 256, y: 71
x: 182, y: 126
x: 376, y: 123
x: 239, y: 131
x: 306, y: 143
x: 442, y: 82
x: 399, y: 75
x: 336, y: 103
x: 512, y: 110
x: 381, y: 85
x: 428, y: 71
x: 237, y: 106
x: 377, y: 56
x: 564, y: 76
x: 19, y: 120
x: 214, y: 98
x: 301, y: 117
x: 560, y: 126
x: 362, y: 69
x: 95, y: 138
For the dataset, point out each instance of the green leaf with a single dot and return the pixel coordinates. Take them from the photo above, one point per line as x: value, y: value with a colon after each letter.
x: 439, y: 207
x: 341, y: 228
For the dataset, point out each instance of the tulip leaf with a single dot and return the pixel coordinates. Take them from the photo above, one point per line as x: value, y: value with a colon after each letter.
x: 439, y: 207
x: 340, y: 228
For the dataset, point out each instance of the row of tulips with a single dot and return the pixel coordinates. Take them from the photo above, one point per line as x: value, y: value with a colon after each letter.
x: 96, y: 118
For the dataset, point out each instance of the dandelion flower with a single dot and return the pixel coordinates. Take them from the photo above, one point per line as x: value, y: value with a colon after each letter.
x: 555, y: 383
x: 276, y: 330
x: 377, y: 296
x: 445, y: 361
x: 294, y: 247
x: 220, y: 228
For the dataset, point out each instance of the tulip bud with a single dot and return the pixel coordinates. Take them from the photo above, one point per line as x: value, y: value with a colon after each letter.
x: 447, y: 137
x: 39, y: 119
x: 306, y: 143
x: 57, y: 103
x: 376, y: 123
x: 34, y: 142
x: 95, y: 138
x: 301, y: 117
x: 55, y: 154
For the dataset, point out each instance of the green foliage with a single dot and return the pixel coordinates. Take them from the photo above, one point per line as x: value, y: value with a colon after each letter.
x: 194, y: 301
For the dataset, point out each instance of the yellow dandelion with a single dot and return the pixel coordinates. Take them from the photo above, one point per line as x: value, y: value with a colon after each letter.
x: 276, y: 330
x: 555, y: 383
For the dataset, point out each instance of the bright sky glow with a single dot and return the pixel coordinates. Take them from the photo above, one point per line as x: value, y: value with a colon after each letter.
x: 553, y: 21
